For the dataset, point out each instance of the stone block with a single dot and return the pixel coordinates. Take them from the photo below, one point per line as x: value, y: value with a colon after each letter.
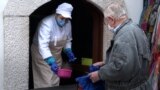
x: 22, y: 7
x: 16, y: 53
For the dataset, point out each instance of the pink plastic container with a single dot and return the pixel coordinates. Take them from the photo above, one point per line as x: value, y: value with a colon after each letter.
x: 64, y: 73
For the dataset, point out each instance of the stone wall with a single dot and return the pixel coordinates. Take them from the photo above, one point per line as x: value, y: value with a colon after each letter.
x: 16, y: 41
x: 2, y: 6
x: 16, y: 53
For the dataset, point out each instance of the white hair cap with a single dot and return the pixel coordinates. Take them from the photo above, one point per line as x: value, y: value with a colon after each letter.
x: 65, y: 9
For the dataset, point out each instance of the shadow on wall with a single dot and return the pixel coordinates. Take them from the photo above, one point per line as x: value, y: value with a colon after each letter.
x: 87, y: 32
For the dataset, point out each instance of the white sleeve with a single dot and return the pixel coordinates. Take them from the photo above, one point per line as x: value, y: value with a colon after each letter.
x: 43, y: 40
x: 69, y: 36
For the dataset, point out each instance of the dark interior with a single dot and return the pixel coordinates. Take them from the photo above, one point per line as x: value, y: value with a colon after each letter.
x: 87, y: 32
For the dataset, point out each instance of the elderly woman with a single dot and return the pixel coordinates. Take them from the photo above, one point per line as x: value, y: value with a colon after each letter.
x: 127, y: 58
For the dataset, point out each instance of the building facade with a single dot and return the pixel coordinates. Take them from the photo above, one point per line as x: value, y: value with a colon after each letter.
x: 17, y: 18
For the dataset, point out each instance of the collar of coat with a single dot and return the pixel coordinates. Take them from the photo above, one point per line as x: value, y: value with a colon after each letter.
x: 122, y: 25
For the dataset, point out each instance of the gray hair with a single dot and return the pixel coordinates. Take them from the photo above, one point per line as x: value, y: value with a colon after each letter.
x: 117, y: 9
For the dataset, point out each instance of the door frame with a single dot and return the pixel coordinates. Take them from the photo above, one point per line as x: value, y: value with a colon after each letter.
x: 98, y: 19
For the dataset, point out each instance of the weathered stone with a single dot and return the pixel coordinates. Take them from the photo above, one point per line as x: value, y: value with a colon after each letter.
x: 22, y: 7
x: 16, y: 58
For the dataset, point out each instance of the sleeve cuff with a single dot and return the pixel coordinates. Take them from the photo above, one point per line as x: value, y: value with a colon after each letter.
x: 46, y: 55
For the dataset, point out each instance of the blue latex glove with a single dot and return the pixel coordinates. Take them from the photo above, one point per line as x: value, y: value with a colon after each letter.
x: 70, y: 54
x: 52, y: 62
x: 54, y: 67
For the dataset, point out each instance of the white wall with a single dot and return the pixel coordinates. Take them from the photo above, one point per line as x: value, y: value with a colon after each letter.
x: 134, y: 9
x: 2, y: 5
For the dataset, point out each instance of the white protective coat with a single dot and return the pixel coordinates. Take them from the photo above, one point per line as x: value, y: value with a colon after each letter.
x: 49, y: 40
x: 50, y: 32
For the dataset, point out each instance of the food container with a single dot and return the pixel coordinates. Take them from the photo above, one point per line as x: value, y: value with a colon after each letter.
x: 64, y: 73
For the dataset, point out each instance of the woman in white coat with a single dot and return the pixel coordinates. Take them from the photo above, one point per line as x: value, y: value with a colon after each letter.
x: 52, y: 37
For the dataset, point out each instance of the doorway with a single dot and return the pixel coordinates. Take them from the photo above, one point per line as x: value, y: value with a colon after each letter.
x: 87, y: 32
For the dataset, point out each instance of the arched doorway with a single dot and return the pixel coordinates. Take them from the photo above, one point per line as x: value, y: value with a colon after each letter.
x: 87, y: 31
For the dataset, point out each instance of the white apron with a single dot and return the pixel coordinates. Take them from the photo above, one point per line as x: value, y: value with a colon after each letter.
x: 43, y: 76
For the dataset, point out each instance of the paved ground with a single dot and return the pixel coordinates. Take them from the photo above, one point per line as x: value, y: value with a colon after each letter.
x: 65, y: 87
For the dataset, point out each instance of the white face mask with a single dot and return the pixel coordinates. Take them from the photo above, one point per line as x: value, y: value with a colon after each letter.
x: 110, y: 28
